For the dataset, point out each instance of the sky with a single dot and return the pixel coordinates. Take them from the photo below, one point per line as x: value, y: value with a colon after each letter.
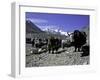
x: 64, y: 22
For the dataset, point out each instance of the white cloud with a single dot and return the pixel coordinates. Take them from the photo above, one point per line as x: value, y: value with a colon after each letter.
x: 50, y: 27
x: 36, y: 21
x: 63, y: 33
x: 53, y: 28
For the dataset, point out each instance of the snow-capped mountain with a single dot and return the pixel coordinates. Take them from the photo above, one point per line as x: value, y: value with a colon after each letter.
x: 56, y: 31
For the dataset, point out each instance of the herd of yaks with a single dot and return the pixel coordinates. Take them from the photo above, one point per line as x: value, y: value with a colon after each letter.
x: 78, y: 40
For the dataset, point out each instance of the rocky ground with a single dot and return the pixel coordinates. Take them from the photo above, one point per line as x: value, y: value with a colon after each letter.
x: 65, y: 57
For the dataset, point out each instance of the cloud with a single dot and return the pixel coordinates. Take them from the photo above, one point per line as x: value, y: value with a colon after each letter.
x: 63, y: 33
x: 53, y: 28
x: 37, y: 21
x: 50, y: 27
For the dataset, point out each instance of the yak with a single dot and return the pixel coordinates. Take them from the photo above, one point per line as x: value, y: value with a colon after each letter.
x: 79, y: 39
x: 54, y: 44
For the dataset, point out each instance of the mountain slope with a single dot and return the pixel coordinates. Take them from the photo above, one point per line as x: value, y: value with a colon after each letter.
x: 86, y: 29
x: 32, y: 28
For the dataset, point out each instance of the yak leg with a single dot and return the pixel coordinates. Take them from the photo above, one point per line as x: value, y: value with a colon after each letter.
x: 78, y: 48
x: 53, y: 48
x: 52, y: 51
x: 57, y: 49
x: 49, y: 50
x: 75, y: 49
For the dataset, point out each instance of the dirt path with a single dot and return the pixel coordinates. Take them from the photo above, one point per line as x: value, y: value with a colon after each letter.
x: 67, y: 57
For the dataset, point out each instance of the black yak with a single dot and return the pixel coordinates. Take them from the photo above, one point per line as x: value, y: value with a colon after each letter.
x: 54, y: 44
x: 85, y: 50
x: 79, y: 39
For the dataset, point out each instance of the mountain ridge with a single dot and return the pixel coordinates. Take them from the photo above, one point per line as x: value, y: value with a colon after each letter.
x: 32, y: 28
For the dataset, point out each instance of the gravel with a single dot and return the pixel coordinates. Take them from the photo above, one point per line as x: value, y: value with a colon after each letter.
x: 67, y: 57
